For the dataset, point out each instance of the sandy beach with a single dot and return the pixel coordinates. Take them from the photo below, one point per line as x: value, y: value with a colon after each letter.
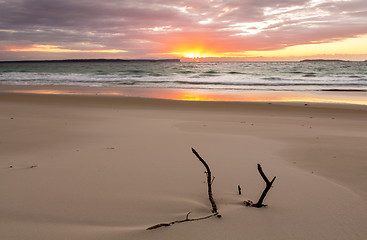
x: 108, y: 167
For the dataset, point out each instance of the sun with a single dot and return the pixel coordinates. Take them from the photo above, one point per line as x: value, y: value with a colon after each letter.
x: 195, y: 55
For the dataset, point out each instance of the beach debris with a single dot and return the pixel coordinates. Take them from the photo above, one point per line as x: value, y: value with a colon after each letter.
x: 269, y: 184
x: 187, y: 219
x: 248, y: 203
x: 239, y: 190
x: 32, y: 166
x: 209, y: 181
x: 160, y: 225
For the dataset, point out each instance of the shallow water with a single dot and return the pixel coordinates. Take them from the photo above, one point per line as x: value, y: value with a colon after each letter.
x: 263, y: 76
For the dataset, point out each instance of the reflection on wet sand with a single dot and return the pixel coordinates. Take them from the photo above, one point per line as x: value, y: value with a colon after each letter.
x: 205, y: 95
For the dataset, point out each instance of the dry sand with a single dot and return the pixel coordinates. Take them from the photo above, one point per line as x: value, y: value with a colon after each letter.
x: 97, y: 167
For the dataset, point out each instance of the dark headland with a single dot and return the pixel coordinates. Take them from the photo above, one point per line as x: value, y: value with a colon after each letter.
x: 94, y: 60
x: 323, y: 60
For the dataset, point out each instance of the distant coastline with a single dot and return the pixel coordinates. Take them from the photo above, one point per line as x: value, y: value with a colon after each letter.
x: 145, y: 60
x: 94, y: 60
x: 323, y: 60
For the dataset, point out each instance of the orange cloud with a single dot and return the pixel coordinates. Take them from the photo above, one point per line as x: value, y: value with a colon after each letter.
x: 200, y: 47
x: 57, y: 49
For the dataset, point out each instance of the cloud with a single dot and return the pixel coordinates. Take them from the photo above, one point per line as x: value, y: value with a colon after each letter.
x: 157, y: 27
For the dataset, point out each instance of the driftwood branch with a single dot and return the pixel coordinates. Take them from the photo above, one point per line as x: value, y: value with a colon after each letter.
x: 187, y: 219
x: 260, y: 204
x: 209, y: 181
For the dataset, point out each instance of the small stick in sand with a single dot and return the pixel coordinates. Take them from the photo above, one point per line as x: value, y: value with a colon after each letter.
x: 239, y: 190
x: 211, y: 199
x: 209, y: 181
x: 187, y: 219
x: 260, y: 204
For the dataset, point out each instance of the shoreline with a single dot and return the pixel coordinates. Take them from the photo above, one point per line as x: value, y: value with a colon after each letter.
x: 212, y: 95
x: 92, y: 167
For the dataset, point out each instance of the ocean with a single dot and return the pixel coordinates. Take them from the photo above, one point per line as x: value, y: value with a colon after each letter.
x: 263, y: 76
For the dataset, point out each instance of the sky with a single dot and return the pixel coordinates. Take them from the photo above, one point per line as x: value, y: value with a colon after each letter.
x: 211, y: 30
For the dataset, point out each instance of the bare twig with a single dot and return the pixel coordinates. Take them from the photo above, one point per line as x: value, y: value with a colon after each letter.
x: 260, y: 204
x: 215, y: 213
x: 209, y: 181
x: 159, y: 225
x: 239, y: 190
x: 212, y: 180
x: 187, y: 215
x: 187, y: 219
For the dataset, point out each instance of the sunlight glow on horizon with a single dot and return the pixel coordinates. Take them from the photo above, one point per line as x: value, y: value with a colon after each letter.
x: 57, y: 49
x: 346, y: 47
x: 349, y: 46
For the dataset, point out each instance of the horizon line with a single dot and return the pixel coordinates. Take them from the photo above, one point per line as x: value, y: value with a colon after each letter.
x: 170, y: 60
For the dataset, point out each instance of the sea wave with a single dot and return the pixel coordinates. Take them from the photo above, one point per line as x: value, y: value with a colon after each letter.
x: 243, y: 75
